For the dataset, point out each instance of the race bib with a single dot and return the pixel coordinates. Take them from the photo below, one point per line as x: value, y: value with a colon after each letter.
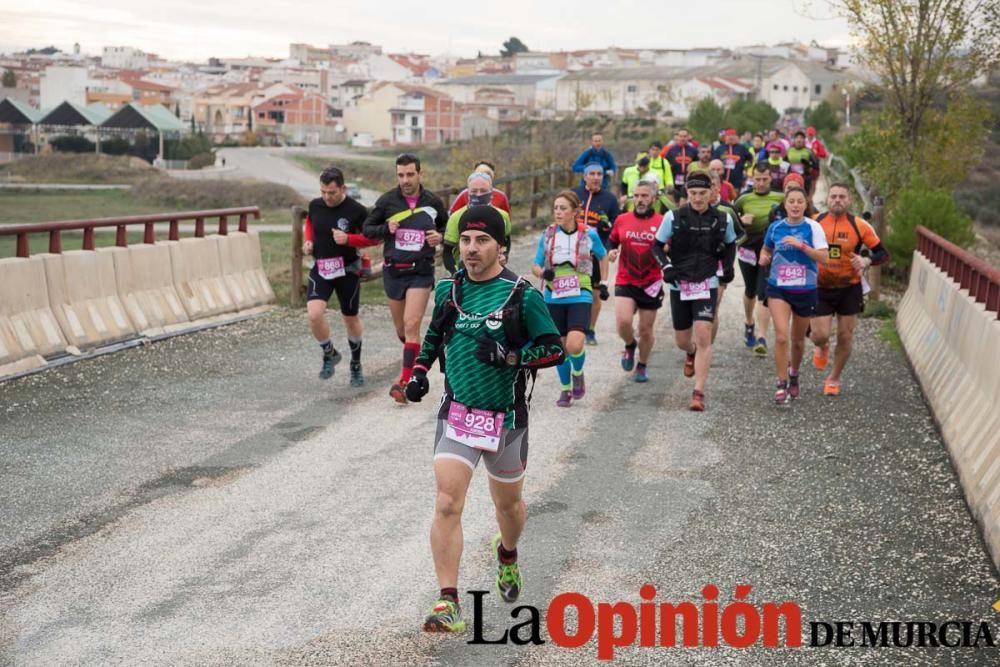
x: 719, y: 271
x: 566, y: 286
x: 799, y: 168
x: 865, y: 287
x: 410, y: 240
x: 654, y: 290
x: 695, y: 291
x: 479, y: 429
x: 730, y: 164
x: 331, y: 267
x: 834, y: 251
x: 791, y: 275
x: 746, y: 255
x: 679, y: 179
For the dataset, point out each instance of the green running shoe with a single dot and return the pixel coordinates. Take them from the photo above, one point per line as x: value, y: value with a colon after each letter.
x: 509, y: 580
x: 444, y: 616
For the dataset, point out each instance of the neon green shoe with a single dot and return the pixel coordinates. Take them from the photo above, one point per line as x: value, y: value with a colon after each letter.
x: 509, y: 579
x: 444, y: 616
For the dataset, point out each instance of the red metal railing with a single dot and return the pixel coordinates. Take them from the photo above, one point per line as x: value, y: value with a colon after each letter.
x: 969, y: 271
x: 55, y: 229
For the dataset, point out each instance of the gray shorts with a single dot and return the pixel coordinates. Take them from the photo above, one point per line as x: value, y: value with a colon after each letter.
x: 507, y: 464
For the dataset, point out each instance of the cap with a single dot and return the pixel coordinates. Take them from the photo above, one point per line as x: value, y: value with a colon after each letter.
x: 793, y: 178
x: 699, y: 179
x: 776, y: 146
x: 643, y: 161
x: 484, y: 219
x: 728, y: 131
x: 811, y: 131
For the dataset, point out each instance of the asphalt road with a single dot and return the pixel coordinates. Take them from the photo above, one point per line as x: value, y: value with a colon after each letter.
x: 207, y: 501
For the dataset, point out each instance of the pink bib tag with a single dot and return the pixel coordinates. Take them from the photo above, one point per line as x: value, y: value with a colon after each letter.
x: 654, y: 290
x: 473, y: 427
x: 410, y: 240
x: 730, y: 164
x: 695, y: 291
x: 747, y: 256
x: 566, y: 286
x: 791, y: 275
x: 330, y: 267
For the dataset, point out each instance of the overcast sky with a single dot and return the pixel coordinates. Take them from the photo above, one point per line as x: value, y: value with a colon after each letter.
x: 198, y: 29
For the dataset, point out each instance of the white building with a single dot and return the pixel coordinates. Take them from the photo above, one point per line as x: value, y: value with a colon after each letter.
x: 124, y: 57
x: 59, y: 84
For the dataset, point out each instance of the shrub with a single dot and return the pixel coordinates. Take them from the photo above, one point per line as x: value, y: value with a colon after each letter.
x: 201, y: 160
x: 72, y: 144
x: 919, y: 204
x: 191, y: 195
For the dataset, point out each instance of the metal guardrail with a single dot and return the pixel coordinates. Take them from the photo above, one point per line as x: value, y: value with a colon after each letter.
x: 970, y: 272
x: 55, y: 229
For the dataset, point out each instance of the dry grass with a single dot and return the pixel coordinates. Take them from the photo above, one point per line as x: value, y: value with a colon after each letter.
x: 79, y: 168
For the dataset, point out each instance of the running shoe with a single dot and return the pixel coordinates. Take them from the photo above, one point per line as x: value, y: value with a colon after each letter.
x: 761, y: 347
x: 749, y: 338
x: 689, y: 366
x: 590, y: 338
x: 565, y: 399
x: 628, y: 359
x: 357, y: 378
x: 697, y: 401
x: 793, y: 384
x: 579, y: 387
x: 397, y: 393
x: 330, y: 359
x: 820, y: 356
x: 641, y: 375
x: 781, y: 393
x: 444, y: 616
x: 831, y: 387
x: 509, y: 579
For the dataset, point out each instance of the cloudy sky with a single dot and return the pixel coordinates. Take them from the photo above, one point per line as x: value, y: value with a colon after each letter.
x: 198, y: 29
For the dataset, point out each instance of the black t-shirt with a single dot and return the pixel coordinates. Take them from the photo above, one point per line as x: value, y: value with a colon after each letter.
x: 347, y: 216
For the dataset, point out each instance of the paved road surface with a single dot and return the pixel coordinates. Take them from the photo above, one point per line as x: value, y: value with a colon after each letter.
x: 208, y: 501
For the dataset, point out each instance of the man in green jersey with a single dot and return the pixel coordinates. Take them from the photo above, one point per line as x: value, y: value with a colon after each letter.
x: 492, y: 331
x: 753, y: 209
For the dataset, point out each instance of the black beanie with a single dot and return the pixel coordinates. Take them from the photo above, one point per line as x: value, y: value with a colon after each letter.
x: 484, y: 219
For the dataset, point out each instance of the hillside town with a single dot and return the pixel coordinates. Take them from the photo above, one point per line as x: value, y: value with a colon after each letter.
x: 358, y: 93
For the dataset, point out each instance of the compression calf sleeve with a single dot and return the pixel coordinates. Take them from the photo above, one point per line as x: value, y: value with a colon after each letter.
x: 576, y: 360
x: 565, y: 369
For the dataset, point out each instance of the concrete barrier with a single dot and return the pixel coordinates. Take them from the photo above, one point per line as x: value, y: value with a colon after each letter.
x: 953, y: 344
x: 145, y: 281
x: 28, y: 327
x: 242, y: 270
x: 83, y: 293
x: 198, y: 278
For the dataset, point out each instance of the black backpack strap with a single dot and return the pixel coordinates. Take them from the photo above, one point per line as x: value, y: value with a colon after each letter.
x: 857, y: 232
x: 514, y: 327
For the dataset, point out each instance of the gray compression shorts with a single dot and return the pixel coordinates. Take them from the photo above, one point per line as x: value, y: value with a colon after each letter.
x: 507, y: 464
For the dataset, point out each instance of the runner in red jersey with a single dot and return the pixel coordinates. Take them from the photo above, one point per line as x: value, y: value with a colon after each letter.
x: 639, y: 281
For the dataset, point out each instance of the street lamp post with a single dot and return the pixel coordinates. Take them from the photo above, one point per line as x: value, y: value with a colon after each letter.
x: 847, y: 107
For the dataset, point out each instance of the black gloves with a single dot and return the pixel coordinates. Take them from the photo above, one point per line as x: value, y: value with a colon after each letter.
x: 549, y: 275
x: 670, y: 273
x: 493, y: 353
x: 602, y: 290
x: 418, y: 386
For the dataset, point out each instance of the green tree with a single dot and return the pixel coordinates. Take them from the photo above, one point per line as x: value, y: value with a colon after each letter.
x: 706, y: 119
x: 9, y: 78
x: 750, y: 116
x: 823, y: 118
x: 920, y: 203
x: 512, y: 46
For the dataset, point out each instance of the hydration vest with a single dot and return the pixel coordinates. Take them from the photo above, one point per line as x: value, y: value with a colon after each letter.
x: 697, y: 243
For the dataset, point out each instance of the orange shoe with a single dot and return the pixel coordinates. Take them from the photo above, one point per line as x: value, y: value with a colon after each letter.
x: 820, y: 357
x: 831, y: 387
x: 689, y: 366
x: 697, y: 401
x: 397, y: 393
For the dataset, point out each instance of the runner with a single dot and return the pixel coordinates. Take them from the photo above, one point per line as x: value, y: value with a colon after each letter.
x: 754, y: 209
x: 495, y: 332
x: 736, y: 159
x: 802, y: 161
x: 332, y: 237
x: 792, y: 249
x: 632, y: 175
x: 499, y: 198
x: 565, y: 262
x: 814, y: 144
x: 701, y: 237
x: 597, y: 153
x: 841, y: 291
x: 704, y: 161
x: 660, y: 166
x: 599, y: 209
x: 727, y: 193
x: 662, y: 202
x: 776, y: 165
x: 479, y: 192
x: 638, y: 281
x: 409, y: 220
x: 680, y: 154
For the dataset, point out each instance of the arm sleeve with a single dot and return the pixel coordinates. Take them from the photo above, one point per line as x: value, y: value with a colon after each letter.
x: 451, y: 229
x: 308, y: 229
x: 596, y: 244
x: 360, y: 241
x: 441, y: 220
x: 818, y: 236
x: 545, y: 348
x: 448, y: 257
x: 666, y: 229
x: 581, y: 162
x: 540, y: 252
x: 880, y: 255
x: 374, y: 226
x: 433, y: 339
